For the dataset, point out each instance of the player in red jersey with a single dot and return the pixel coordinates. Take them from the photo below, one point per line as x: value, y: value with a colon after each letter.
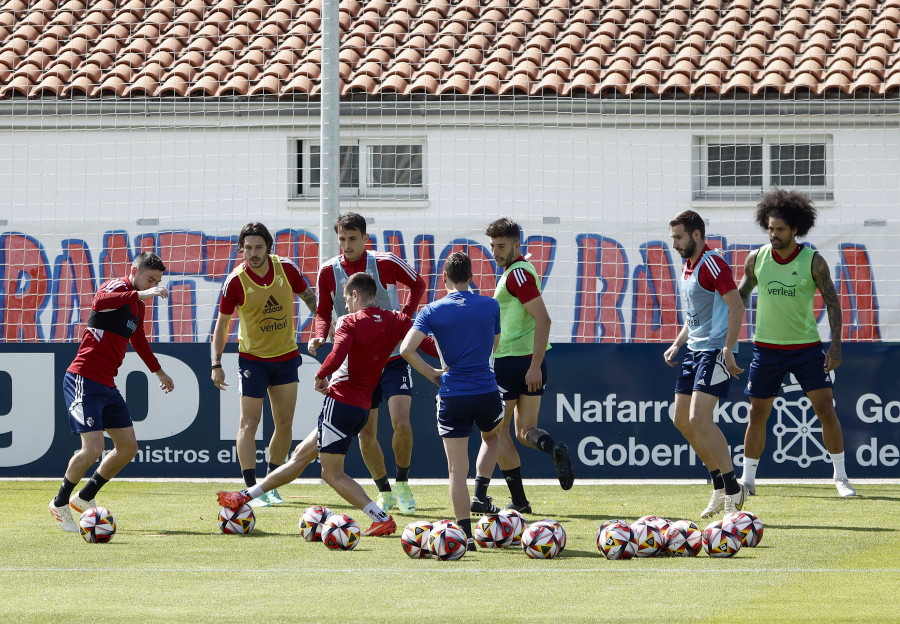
x: 94, y: 403
x: 262, y: 290
x: 363, y: 342
x: 395, y: 385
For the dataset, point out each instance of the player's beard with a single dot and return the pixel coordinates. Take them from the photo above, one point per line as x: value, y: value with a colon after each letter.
x: 688, y: 252
x: 505, y: 261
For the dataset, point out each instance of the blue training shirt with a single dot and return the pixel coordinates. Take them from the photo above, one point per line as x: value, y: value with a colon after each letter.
x: 463, y: 325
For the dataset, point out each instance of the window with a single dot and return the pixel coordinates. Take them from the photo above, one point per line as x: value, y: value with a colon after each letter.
x: 369, y: 169
x: 742, y: 169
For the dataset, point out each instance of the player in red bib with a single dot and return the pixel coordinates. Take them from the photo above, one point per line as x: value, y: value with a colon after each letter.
x: 94, y: 403
x: 363, y: 342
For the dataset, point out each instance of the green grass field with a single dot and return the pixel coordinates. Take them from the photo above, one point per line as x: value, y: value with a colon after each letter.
x: 822, y: 559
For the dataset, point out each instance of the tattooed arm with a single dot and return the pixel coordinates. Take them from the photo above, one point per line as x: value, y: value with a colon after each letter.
x: 822, y: 278
x: 748, y: 282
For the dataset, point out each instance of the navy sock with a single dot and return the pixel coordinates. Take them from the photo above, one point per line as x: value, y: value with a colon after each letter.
x: 730, y: 483
x: 718, y: 481
x: 249, y: 477
x: 514, y: 483
x: 481, y: 487
x: 466, y: 526
x: 93, y: 486
x: 402, y: 473
x: 64, y: 494
x: 383, y: 484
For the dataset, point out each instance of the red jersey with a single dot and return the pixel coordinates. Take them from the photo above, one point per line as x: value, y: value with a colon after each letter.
x: 521, y: 284
x: 233, y: 296
x: 102, y: 351
x: 363, y: 343
x: 715, y: 275
x: 391, y: 270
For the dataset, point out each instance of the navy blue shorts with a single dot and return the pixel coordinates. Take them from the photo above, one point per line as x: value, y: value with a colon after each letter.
x: 338, y: 424
x: 510, y: 373
x: 457, y: 414
x: 703, y: 371
x: 769, y: 366
x: 255, y: 377
x: 93, y: 406
x: 396, y: 378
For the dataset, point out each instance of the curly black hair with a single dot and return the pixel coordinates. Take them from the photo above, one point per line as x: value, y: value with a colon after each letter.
x: 793, y: 207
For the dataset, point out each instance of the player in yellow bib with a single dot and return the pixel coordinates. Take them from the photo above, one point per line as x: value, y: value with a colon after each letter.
x: 787, y: 336
x: 262, y: 291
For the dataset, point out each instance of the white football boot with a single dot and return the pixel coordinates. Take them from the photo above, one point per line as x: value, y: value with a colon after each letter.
x: 80, y: 505
x: 735, y: 502
x: 844, y: 488
x: 716, y: 504
x: 63, y: 517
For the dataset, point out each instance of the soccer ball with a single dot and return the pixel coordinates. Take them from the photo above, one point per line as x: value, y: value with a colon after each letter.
x: 97, y: 525
x: 447, y: 542
x: 517, y: 521
x: 683, y: 539
x: 414, y: 539
x: 606, y: 523
x: 340, y: 532
x: 493, y: 531
x: 749, y: 527
x: 721, y: 539
x: 539, y: 541
x: 648, y: 538
x: 311, y: 522
x: 237, y: 522
x: 616, y: 540
x: 558, y: 530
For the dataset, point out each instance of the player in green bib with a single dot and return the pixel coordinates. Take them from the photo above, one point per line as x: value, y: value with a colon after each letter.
x: 520, y: 368
x: 787, y: 336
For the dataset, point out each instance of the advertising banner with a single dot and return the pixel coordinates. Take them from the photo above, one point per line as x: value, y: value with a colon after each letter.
x: 612, y: 404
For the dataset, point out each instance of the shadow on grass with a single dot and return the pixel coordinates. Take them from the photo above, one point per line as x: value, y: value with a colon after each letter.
x: 830, y: 528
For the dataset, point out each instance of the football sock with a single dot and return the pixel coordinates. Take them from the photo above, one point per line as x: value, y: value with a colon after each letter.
x: 402, y: 474
x: 466, y: 525
x: 750, y: 465
x: 273, y: 468
x: 375, y: 512
x: 481, y: 486
x: 249, y: 476
x: 64, y: 494
x: 731, y: 484
x: 541, y: 440
x: 93, y: 486
x: 383, y: 484
x: 718, y: 481
x: 514, y: 483
x: 840, y: 469
x: 255, y: 491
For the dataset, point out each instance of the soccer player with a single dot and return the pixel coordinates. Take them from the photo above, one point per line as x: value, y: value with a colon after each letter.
x: 262, y: 290
x: 395, y: 384
x: 466, y: 328
x: 787, y: 337
x: 713, y: 313
x: 94, y: 403
x: 363, y: 342
x: 520, y: 368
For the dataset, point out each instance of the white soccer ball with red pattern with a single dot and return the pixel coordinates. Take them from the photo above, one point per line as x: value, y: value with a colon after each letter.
x: 558, y: 530
x: 649, y: 541
x: 683, y: 539
x: 340, y: 532
x: 749, y: 527
x: 414, y: 539
x: 312, y: 521
x: 237, y: 522
x: 721, y: 539
x: 493, y: 531
x: 616, y: 540
x: 97, y: 525
x: 447, y: 541
x: 517, y: 521
x: 539, y: 541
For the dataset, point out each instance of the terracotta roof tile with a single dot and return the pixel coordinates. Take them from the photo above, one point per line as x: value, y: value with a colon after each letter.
x: 162, y: 48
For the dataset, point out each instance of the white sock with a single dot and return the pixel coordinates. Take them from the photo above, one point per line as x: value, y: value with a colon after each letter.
x: 840, y: 469
x: 375, y: 512
x: 750, y: 465
x: 255, y: 491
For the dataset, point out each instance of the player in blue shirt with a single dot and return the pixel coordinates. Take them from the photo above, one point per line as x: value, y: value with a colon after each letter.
x: 466, y: 328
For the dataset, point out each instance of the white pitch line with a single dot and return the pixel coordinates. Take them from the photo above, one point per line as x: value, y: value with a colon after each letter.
x: 448, y: 570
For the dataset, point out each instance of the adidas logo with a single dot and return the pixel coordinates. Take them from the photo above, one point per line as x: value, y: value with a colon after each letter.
x: 701, y: 383
x: 272, y: 306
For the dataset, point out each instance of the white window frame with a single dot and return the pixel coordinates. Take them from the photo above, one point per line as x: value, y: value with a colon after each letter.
x: 742, y: 194
x: 364, y: 191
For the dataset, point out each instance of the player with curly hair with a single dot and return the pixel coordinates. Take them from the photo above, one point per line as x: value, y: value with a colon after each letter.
x: 787, y: 337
